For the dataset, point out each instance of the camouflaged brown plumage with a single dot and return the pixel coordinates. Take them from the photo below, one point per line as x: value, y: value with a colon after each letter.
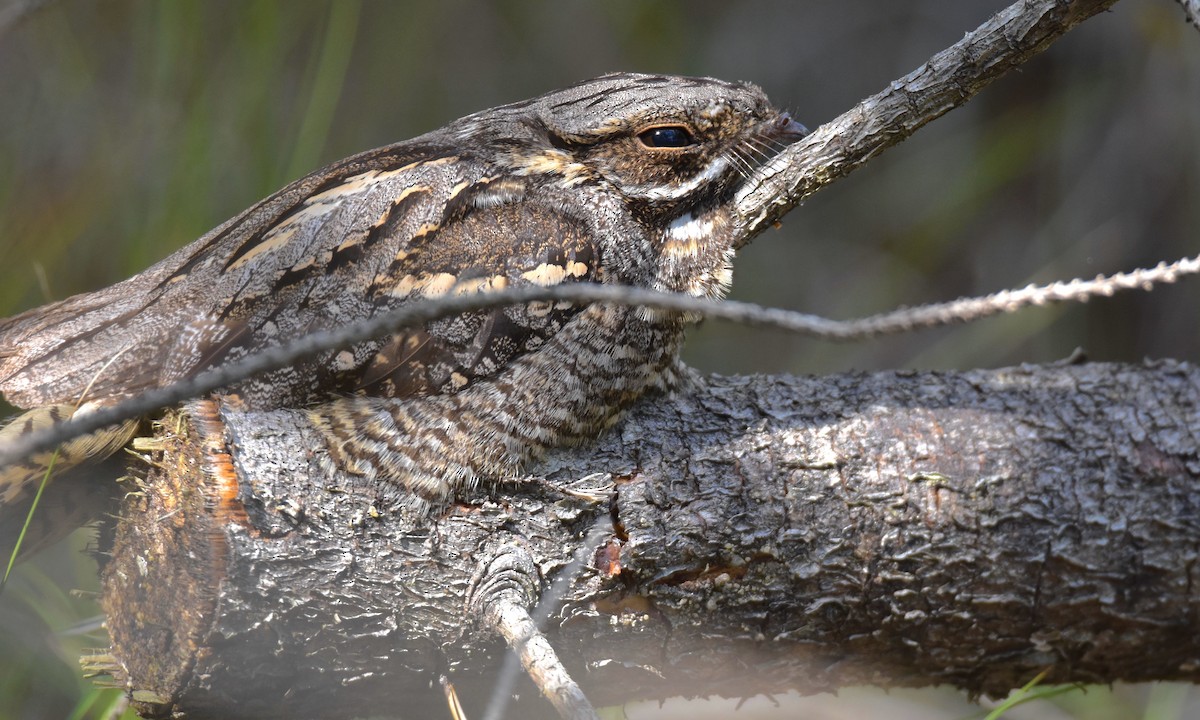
x: 624, y: 179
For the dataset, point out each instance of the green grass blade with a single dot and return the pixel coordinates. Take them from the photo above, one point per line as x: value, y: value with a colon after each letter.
x: 12, y: 558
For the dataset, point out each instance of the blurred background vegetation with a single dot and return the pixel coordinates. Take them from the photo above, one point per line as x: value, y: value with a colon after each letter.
x: 128, y: 129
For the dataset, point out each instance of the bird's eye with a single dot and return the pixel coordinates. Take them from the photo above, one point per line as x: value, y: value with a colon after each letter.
x: 667, y: 136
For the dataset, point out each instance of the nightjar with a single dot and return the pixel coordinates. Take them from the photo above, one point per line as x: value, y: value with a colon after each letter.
x: 624, y: 179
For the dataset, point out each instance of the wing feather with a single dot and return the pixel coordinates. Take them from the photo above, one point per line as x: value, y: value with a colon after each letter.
x: 496, y: 246
x: 50, y: 354
x: 370, y: 233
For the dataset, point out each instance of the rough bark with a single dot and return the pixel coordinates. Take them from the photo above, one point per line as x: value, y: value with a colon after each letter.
x: 763, y: 533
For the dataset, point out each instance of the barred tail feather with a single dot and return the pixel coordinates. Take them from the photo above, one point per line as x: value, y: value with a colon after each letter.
x: 22, y: 478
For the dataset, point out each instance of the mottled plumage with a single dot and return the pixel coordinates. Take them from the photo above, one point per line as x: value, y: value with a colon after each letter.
x: 624, y: 179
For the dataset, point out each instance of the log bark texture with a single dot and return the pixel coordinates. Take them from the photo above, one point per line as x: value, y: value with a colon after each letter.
x: 762, y: 534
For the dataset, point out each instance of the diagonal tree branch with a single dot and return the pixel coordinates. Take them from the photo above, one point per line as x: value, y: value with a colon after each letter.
x: 950, y: 78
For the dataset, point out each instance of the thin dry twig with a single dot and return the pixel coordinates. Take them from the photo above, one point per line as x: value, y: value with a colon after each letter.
x: 522, y: 631
x: 1007, y: 301
x: 422, y: 312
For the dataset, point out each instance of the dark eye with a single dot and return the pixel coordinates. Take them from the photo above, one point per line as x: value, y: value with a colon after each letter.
x: 667, y: 136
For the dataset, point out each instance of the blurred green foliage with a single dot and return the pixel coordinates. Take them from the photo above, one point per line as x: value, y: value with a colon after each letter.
x: 130, y: 128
